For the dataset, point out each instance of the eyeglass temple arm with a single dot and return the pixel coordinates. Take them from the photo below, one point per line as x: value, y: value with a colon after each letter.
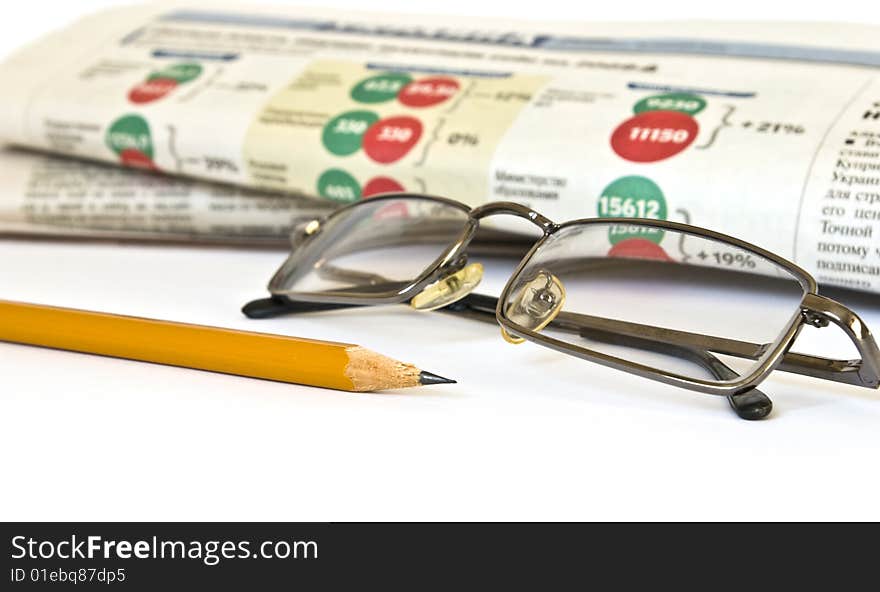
x: 817, y: 310
x: 752, y: 404
x: 478, y: 305
x: 275, y: 306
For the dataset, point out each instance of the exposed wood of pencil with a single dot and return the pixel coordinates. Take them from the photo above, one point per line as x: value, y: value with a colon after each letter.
x: 326, y: 364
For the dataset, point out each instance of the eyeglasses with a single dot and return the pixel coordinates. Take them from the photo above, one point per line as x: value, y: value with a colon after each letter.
x: 670, y: 302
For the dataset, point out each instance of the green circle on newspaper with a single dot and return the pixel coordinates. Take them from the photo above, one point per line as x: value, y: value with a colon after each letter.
x: 632, y: 197
x: 344, y: 134
x: 381, y: 88
x: 182, y: 73
x: 683, y: 102
x: 130, y: 133
x: 338, y: 185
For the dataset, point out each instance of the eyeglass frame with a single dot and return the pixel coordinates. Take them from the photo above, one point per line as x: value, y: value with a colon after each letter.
x: 815, y: 310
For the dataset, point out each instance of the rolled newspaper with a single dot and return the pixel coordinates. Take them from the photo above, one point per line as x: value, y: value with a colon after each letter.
x: 770, y: 132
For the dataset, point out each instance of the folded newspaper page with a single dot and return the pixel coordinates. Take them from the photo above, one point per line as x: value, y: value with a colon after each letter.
x: 769, y: 132
x: 45, y: 195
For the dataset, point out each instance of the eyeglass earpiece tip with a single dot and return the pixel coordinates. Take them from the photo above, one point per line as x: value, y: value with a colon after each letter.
x: 751, y: 405
x: 265, y: 308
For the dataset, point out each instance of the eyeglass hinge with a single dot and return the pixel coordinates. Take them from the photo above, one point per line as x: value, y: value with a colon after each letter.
x: 816, y: 319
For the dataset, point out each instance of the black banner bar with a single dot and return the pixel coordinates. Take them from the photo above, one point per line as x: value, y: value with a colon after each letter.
x: 159, y: 556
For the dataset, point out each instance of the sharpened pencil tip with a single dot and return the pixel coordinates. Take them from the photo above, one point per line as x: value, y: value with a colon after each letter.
x: 427, y: 378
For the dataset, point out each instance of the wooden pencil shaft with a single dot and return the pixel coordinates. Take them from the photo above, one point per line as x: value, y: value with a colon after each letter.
x: 258, y: 355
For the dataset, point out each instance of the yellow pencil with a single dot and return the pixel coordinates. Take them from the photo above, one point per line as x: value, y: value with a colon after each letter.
x: 325, y: 364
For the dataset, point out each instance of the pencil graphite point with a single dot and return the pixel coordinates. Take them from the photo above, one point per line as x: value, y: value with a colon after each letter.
x: 427, y: 378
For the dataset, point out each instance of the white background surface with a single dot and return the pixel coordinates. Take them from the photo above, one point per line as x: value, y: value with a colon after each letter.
x: 527, y: 434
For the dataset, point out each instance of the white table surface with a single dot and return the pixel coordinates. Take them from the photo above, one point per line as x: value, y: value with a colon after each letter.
x: 526, y: 434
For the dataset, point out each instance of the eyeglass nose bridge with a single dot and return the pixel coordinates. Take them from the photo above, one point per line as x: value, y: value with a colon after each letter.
x: 514, y: 209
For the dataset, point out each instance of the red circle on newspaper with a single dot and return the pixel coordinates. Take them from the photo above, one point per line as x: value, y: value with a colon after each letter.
x: 388, y: 140
x: 638, y: 248
x: 134, y: 158
x: 151, y: 90
x: 428, y: 91
x: 654, y: 135
x: 393, y: 210
x: 379, y: 185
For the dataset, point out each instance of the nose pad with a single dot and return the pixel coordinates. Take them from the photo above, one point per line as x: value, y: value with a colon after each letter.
x: 302, y: 231
x: 535, y: 304
x: 453, y: 287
